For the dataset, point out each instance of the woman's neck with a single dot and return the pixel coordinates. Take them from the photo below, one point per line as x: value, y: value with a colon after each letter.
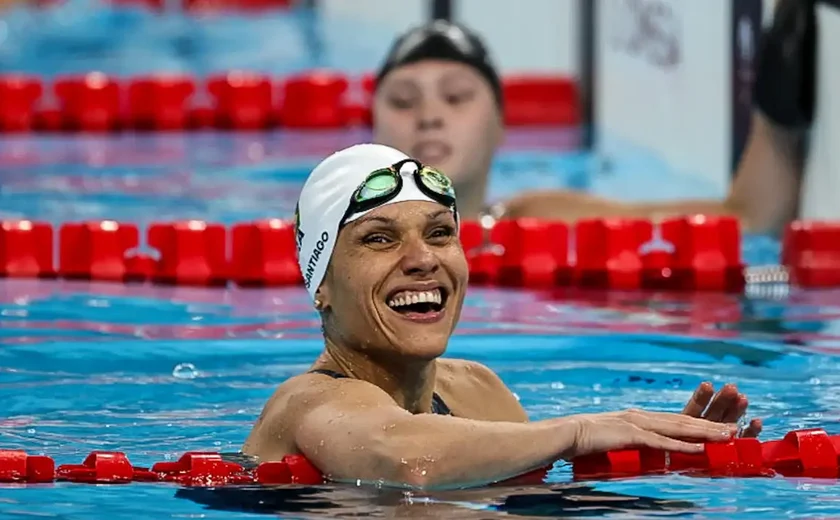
x: 411, y: 383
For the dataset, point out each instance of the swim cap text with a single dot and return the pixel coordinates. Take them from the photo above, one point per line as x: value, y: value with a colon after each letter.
x: 309, y: 272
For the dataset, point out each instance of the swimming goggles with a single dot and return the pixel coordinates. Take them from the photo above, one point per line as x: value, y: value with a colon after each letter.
x: 384, y: 184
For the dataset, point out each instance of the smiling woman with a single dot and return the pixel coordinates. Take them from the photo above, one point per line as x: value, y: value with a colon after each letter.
x: 379, y: 248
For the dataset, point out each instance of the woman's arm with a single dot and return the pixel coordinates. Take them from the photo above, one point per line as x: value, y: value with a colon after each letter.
x: 764, y: 194
x: 353, y: 430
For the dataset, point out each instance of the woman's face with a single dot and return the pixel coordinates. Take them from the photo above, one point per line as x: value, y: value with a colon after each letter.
x: 442, y: 113
x: 396, y: 281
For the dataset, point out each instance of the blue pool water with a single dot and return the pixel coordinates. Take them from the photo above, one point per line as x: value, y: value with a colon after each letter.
x: 155, y: 371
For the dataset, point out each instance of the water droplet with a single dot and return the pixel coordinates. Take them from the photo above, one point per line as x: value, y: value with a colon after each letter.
x: 184, y: 371
x: 423, y: 472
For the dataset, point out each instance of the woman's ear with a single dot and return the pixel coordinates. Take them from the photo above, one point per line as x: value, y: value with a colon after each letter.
x: 321, y: 299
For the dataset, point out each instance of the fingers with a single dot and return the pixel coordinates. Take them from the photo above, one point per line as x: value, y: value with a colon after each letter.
x: 725, y: 405
x: 700, y: 400
x: 649, y: 439
x: 738, y: 410
x: 753, y: 430
x: 681, y: 426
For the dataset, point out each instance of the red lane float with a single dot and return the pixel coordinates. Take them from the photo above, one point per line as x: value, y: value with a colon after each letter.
x: 360, y: 100
x: 707, y: 253
x: 315, y: 100
x: 540, y: 100
x: 96, y: 250
x: 693, y: 253
x: 18, y: 466
x: 811, y: 252
x: 89, y: 103
x: 238, y: 100
x: 243, y: 101
x: 191, y: 253
x: 236, y: 5
x: 18, y: 95
x: 261, y: 254
x: 802, y: 453
x: 26, y: 249
x: 608, y: 253
x: 535, y: 255
x: 157, y: 103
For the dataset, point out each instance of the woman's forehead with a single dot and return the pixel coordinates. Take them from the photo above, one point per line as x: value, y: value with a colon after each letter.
x: 407, y: 211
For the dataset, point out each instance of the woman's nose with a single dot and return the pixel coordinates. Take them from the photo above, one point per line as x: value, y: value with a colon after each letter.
x: 418, y: 258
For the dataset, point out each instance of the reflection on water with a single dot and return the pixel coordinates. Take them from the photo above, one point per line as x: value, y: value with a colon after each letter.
x: 495, y: 502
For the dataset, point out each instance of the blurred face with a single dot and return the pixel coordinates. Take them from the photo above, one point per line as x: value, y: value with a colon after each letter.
x: 441, y: 113
x: 396, y: 281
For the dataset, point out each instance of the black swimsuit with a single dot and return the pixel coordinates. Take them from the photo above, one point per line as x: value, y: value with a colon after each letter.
x: 438, y: 406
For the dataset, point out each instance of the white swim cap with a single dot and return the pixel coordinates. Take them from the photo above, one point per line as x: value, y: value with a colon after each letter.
x: 326, y: 196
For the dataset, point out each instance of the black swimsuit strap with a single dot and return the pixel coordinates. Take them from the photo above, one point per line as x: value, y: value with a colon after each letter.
x: 332, y: 373
x: 439, y: 407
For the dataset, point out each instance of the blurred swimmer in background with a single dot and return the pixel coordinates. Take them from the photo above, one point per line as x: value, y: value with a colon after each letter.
x: 439, y: 99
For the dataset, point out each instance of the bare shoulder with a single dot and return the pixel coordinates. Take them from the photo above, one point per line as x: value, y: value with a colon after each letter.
x: 473, y: 390
x: 273, y: 434
x: 466, y: 371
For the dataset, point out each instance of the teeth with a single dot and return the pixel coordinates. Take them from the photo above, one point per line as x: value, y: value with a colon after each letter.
x: 411, y: 297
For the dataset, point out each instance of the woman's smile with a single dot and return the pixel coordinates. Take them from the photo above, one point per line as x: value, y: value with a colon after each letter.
x: 420, y: 302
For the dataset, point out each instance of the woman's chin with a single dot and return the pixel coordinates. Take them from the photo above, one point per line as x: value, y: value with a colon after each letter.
x: 423, y: 348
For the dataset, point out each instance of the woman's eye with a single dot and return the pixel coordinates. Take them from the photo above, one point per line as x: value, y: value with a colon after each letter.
x: 376, y: 239
x: 442, y: 232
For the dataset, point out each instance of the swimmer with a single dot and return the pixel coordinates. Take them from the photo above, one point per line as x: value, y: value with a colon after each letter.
x: 378, y: 246
x: 439, y: 99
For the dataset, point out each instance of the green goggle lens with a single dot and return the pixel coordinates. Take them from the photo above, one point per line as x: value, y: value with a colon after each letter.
x: 437, y: 182
x: 377, y: 185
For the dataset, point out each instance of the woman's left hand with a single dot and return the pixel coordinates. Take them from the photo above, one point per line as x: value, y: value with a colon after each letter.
x: 727, y: 406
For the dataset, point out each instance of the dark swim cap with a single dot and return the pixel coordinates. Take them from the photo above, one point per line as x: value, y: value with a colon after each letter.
x: 442, y: 40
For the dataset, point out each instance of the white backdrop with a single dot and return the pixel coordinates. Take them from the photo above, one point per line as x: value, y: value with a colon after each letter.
x: 821, y: 188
